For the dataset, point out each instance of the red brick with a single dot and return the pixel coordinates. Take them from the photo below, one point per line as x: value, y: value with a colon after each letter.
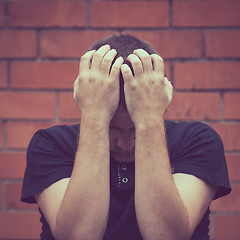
x: 24, y: 105
x: 1, y: 193
x: 231, y: 105
x: 173, y: 44
x: 1, y: 14
x: 29, y: 13
x: 223, y: 43
x: 227, y: 227
x: 229, y: 133
x: 13, y: 193
x: 207, y: 75
x: 68, y: 108
x: 3, y: 74
x: 1, y: 135
x: 68, y: 43
x: 17, y: 43
x: 116, y: 14
x: 20, y: 225
x: 44, y: 75
x: 233, y: 162
x: 19, y: 134
x: 230, y: 202
x: 12, y: 165
x: 186, y: 106
x: 206, y: 13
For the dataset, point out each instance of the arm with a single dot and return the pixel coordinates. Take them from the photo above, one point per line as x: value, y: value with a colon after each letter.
x: 77, y: 208
x: 163, y: 207
x: 83, y: 212
x: 167, y: 205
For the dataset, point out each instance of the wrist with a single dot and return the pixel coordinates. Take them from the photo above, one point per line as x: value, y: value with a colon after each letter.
x: 94, y: 120
x: 149, y: 123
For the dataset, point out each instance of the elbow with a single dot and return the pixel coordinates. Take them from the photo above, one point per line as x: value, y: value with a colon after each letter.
x: 179, y: 225
x: 171, y: 229
x: 75, y: 235
x: 181, y: 235
x: 60, y: 233
x: 63, y: 230
x: 181, y: 230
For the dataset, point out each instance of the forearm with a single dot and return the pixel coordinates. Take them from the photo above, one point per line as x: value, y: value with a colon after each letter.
x: 83, y: 213
x: 159, y: 208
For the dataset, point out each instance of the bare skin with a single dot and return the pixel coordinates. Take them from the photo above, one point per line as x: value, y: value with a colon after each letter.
x: 81, y: 212
x: 158, y: 199
x: 76, y: 211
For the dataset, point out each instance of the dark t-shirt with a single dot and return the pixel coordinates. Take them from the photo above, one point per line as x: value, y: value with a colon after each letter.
x: 194, y: 148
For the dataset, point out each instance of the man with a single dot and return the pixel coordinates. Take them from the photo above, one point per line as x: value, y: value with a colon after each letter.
x: 124, y: 173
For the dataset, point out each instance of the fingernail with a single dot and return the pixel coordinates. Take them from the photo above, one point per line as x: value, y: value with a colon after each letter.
x: 136, y: 50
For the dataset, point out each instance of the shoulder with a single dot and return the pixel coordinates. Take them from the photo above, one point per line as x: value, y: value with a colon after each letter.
x: 190, y: 132
x: 59, y: 136
x: 184, y: 127
x: 59, y: 131
x: 195, y: 148
x: 195, y: 143
x: 50, y: 158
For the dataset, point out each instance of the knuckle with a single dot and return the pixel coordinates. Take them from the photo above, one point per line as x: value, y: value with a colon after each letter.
x: 97, y: 54
x: 84, y: 58
x: 132, y: 87
x: 145, y: 57
x: 91, y: 78
x: 136, y: 63
x: 107, y: 60
x: 115, y: 67
x: 126, y: 71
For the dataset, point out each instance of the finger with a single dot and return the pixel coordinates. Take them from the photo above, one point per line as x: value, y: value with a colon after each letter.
x: 98, y: 56
x: 107, y: 61
x: 145, y: 58
x: 168, y: 83
x: 127, y: 73
x: 136, y: 64
x: 75, y: 87
x: 158, y: 64
x: 116, y: 67
x: 85, y: 60
x: 169, y: 89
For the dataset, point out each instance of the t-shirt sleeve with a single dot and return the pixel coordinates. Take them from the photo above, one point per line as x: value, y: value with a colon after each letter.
x: 50, y: 157
x: 198, y: 150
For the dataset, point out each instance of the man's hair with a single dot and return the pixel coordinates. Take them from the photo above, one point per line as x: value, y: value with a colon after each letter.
x: 124, y: 44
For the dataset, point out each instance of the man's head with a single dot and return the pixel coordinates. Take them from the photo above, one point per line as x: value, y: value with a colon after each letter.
x: 124, y: 44
x: 122, y: 129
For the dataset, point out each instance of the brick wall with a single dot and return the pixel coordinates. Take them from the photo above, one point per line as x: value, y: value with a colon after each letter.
x: 40, y: 46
